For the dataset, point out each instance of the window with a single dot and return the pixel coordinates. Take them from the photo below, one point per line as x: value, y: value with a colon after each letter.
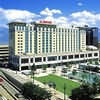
x: 22, y: 27
x: 52, y: 58
x: 70, y: 56
x: 26, y: 60
x: 90, y: 55
x: 82, y: 55
x: 44, y: 58
x: 38, y: 59
x: 30, y: 28
x: 95, y: 54
x: 76, y: 56
x: 64, y: 57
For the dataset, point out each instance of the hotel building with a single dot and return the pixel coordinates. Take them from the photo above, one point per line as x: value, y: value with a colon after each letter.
x: 46, y: 43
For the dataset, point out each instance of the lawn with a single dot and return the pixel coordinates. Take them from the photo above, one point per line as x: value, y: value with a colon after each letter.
x: 59, y: 83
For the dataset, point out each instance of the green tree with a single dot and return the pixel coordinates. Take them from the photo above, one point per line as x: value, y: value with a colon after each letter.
x: 44, y: 68
x: 34, y: 92
x: 54, y: 68
x: 74, y: 72
x: 96, y: 69
x: 33, y: 69
x: 64, y: 70
x: 84, y: 92
x: 96, y: 62
x: 96, y: 84
x: 67, y: 65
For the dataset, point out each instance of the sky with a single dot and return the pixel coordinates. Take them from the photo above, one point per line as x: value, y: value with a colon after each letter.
x: 61, y: 12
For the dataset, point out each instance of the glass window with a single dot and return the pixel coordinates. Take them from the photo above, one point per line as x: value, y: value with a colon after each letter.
x: 76, y: 56
x: 25, y: 60
x: 39, y: 59
x: 44, y: 58
x: 95, y: 54
x: 30, y: 28
x: 64, y: 57
x: 52, y: 58
x: 82, y: 55
x: 90, y: 55
x: 70, y: 56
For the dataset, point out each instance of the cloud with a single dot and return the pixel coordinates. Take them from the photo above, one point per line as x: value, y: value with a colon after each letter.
x: 76, y: 18
x: 80, y: 4
x: 9, y: 15
x: 85, y: 17
x: 49, y: 12
x: 49, y: 15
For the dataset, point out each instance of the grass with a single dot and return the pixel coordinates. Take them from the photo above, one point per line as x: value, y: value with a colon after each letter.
x: 59, y: 83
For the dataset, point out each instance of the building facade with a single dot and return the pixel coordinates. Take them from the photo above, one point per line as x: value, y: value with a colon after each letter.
x: 91, y: 35
x: 46, y: 43
x: 3, y: 54
x: 40, y: 38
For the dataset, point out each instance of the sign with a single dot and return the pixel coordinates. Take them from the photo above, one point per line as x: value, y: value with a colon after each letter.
x: 46, y: 22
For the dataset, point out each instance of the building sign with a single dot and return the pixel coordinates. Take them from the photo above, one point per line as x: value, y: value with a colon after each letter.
x: 46, y: 22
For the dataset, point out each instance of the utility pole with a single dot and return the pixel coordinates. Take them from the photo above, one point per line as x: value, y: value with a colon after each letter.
x: 64, y: 91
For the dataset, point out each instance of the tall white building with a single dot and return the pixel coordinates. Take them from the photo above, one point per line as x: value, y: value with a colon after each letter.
x: 45, y: 43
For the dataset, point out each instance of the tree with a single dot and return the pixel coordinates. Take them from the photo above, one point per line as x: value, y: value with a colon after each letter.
x: 84, y: 92
x: 33, y: 69
x: 52, y: 84
x: 67, y: 65
x: 54, y: 69
x: 64, y: 70
x: 64, y: 91
x: 74, y: 72
x: 34, y: 92
x: 96, y: 62
x: 44, y: 68
x: 96, y: 69
x: 96, y: 84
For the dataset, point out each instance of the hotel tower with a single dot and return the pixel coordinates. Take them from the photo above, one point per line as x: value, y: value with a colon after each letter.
x: 43, y: 42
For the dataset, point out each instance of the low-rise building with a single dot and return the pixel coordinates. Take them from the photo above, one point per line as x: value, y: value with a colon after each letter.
x: 3, y: 54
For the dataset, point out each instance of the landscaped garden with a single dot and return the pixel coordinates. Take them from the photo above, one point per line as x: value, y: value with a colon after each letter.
x: 59, y: 81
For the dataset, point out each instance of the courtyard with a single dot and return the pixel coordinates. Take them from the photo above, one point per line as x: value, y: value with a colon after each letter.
x: 59, y: 81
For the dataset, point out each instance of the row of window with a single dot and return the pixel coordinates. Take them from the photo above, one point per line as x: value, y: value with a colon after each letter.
x: 56, y: 29
x: 23, y: 28
x: 54, y: 58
